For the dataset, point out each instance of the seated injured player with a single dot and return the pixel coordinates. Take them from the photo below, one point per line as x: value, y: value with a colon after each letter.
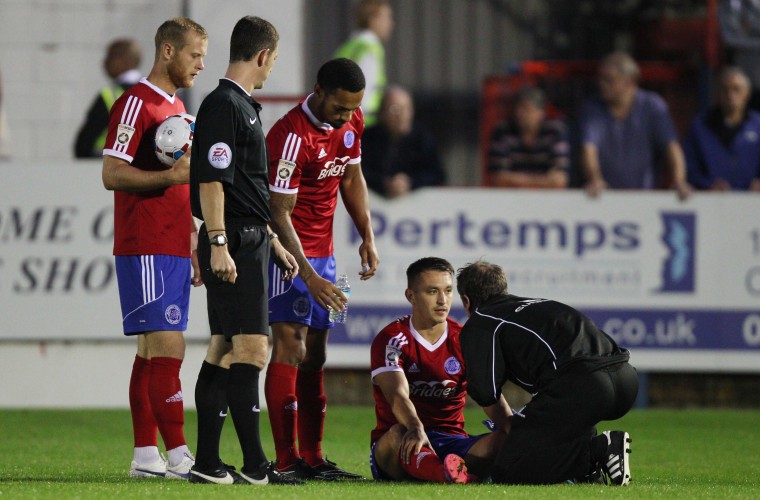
x: 419, y: 387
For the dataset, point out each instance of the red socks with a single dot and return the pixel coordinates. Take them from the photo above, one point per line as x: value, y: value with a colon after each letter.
x: 280, y: 393
x: 312, y: 404
x: 165, y: 393
x: 143, y: 422
x: 425, y: 465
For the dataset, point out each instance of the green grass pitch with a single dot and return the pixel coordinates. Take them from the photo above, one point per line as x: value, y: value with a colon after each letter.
x: 86, y: 454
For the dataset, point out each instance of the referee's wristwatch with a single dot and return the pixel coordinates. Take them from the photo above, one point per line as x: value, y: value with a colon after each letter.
x: 218, y: 240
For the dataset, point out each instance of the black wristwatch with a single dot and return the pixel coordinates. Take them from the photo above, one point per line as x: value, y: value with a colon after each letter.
x: 218, y: 240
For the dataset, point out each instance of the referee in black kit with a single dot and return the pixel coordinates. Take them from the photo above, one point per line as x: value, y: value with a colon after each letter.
x: 577, y: 374
x: 229, y: 191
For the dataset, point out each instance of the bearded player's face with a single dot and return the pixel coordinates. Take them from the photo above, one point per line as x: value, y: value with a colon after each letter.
x: 187, y: 62
x: 338, y: 107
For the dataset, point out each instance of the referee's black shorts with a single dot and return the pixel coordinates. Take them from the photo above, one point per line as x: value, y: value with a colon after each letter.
x: 242, y: 307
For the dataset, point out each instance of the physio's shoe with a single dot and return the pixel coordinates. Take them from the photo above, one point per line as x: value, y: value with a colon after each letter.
x: 616, y: 462
x: 182, y: 469
x: 455, y: 469
x: 330, y: 471
x: 268, y: 474
x: 301, y: 470
x: 156, y: 469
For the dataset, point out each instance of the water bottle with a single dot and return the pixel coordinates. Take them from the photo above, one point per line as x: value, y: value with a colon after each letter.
x: 342, y: 284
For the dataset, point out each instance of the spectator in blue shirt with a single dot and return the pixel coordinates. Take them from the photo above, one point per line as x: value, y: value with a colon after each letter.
x: 722, y: 146
x: 627, y: 132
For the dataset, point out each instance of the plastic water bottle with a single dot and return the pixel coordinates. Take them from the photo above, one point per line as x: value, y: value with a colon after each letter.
x: 345, y: 287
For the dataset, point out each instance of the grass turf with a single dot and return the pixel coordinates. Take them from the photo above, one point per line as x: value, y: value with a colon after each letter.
x: 86, y: 454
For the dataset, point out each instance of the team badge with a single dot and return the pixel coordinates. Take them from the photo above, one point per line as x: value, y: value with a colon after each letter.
x: 392, y: 354
x: 452, y: 366
x: 124, y: 134
x: 220, y: 155
x: 301, y: 307
x: 285, y: 169
x: 173, y: 314
x: 348, y: 138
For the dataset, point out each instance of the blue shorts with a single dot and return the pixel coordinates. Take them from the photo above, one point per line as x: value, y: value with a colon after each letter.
x: 290, y: 301
x: 443, y: 444
x: 154, y: 291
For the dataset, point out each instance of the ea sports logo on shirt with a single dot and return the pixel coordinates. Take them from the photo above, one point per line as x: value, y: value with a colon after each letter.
x: 220, y: 155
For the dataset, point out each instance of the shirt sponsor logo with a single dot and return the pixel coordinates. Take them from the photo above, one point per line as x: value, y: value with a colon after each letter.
x: 434, y: 389
x: 348, y: 138
x: 285, y: 169
x: 334, y: 168
x: 124, y: 134
x: 220, y: 155
x: 452, y: 366
x: 173, y: 314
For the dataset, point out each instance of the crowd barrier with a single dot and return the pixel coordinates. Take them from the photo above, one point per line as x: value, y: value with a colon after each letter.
x: 676, y: 282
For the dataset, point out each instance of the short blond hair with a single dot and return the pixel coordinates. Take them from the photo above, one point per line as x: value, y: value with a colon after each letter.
x: 174, y: 30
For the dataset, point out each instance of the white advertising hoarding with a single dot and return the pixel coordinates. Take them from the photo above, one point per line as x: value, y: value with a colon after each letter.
x: 677, y: 282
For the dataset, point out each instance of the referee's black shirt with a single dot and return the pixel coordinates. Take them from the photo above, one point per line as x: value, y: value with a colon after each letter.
x: 530, y: 342
x: 229, y: 146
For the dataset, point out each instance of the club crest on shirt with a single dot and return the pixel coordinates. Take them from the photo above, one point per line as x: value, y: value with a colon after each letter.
x: 452, y: 366
x: 220, y: 155
x: 124, y: 134
x: 348, y: 138
x: 285, y: 169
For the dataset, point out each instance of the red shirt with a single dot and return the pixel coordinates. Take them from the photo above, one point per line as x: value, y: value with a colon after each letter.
x: 309, y: 157
x: 148, y: 222
x: 435, y: 372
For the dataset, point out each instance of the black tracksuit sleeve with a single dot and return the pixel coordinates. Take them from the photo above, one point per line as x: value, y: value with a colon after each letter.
x: 483, y: 361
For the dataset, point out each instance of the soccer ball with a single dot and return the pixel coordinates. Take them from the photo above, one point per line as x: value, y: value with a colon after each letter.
x: 173, y: 138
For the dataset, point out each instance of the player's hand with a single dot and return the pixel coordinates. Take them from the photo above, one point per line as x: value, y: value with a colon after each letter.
x: 180, y: 171
x: 370, y: 260
x: 196, y: 280
x: 754, y: 185
x: 284, y: 260
x: 325, y: 293
x: 412, y: 442
x: 222, y: 264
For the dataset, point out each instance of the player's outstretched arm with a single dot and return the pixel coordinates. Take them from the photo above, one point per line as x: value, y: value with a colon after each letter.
x: 500, y: 414
x: 324, y: 292
x: 353, y: 190
x: 118, y: 175
x: 395, y: 388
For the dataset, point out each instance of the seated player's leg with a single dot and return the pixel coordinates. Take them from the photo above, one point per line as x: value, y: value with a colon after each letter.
x: 387, y: 464
x: 384, y: 460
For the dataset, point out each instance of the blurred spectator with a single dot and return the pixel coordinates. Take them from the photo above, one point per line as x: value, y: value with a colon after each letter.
x: 4, y: 151
x: 529, y: 151
x: 627, y: 132
x: 740, y: 29
x: 365, y: 47
x: 722, y: 146
x: 120, y: 64
x: 398, y: 154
